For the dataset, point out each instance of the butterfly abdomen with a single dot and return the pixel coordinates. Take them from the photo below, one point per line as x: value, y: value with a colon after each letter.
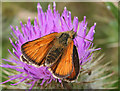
x: 53, y: 55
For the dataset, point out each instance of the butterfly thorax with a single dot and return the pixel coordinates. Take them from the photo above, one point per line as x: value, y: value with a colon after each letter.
x: 66, y: 37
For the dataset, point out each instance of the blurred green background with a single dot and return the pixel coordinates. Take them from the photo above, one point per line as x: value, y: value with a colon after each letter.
x: 104, y: 14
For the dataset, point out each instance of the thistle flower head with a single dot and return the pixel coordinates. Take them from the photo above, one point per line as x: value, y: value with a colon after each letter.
x: 46, y: 23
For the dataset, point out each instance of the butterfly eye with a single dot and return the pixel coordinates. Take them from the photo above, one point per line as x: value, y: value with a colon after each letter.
x: 73, y: 36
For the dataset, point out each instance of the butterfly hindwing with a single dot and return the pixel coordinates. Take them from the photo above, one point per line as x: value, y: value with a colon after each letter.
x: 64, y: 65
x: 35, y: 51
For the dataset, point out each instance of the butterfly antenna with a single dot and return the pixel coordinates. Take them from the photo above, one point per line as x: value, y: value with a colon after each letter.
x: 77, y: 31
x: 76, y: 43
x: 66, y: 23
x: 85, y: 39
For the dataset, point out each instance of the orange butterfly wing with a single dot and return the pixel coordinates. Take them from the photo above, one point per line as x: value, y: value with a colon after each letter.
x: 76, y: 66
x: 35, y: 51
x: 64, y: 66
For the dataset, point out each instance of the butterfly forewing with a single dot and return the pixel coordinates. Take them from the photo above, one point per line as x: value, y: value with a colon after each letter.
x: 76, y: 66
x: 35, y: 51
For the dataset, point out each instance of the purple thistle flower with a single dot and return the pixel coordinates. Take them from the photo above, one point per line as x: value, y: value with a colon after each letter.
x: 48, y: 22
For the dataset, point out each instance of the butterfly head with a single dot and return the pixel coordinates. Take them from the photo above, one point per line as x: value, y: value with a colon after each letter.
x: 72, y: 34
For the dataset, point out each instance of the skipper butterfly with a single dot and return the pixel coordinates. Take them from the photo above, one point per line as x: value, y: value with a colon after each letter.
x: 56, y: 51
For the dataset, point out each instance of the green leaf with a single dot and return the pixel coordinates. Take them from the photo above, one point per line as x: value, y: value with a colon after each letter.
x: 113, y: 9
